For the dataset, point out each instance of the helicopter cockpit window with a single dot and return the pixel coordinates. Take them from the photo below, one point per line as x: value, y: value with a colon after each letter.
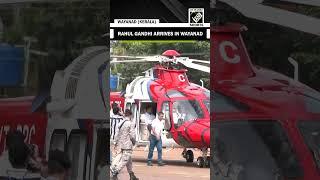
x: 312, y: 104
x: 253, y: 149
x: 207, y: 104
x: 174, y: 94
x: 166, y: 110
x: 223, y: 103
x: 186, y: 110
x: 207, y: 93
x: 311, y: 134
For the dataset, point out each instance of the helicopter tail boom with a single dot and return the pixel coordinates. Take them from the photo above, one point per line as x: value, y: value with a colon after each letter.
x: 229, y: 53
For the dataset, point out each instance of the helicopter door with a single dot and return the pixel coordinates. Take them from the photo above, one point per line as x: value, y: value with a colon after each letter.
x: 165, y: 108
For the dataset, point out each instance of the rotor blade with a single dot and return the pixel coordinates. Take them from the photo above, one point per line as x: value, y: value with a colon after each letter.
x: 277, y: 16
x: 201, y: 61
x: 198, y: 67
x: 305, y: 2
x: 152, y: 59
x: 194, y: 54
x: 188, y: 63
x: 130, y: 61
x: 177, y: 8
x: 132, y: 57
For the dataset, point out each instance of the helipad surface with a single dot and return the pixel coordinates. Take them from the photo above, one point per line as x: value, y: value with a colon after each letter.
x: 176, y: 167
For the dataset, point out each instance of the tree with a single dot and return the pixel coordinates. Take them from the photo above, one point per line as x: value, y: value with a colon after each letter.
x: 62, y: 30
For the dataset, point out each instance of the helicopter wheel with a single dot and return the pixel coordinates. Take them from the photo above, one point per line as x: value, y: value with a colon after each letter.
x: 200, y: 162
x: 189, y: 156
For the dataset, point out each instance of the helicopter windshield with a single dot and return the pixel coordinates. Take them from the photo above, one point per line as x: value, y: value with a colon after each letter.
x: 311, y: 134
x: 252, y: 150
x: 186, y: 110
x: 312, y: 104
x: 207, y: 104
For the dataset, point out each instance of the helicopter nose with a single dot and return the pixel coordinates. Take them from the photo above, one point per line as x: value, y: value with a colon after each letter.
x: 198, y: 132
x: 205, y: 132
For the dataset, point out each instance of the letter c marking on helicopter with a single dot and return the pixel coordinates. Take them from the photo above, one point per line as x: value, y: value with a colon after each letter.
x: 222, y: 49
x: 181, y: 78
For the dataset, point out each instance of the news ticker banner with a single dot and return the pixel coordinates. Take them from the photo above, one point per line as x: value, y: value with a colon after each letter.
x: 152, y: 29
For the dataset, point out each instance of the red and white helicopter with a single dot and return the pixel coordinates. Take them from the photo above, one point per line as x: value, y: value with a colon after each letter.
x: 265, y: 125
x: 166, y: 88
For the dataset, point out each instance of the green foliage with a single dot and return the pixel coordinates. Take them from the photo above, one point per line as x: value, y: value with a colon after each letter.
x: 270, y: 46
x: 62, y: 30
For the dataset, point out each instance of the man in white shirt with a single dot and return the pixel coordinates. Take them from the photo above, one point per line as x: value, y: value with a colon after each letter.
x: 155, y: 139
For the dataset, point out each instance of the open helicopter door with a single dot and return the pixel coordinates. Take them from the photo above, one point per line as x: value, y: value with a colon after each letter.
x: 167, y: 136
x: 167, y: 140
x: 134, y: 106
x: 138, y: 123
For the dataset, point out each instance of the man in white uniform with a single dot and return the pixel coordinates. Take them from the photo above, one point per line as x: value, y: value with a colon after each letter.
x: 125, y: 140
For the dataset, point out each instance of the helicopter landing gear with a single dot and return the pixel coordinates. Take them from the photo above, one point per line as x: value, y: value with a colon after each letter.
x: 188, y: 155
x: 204, y: 160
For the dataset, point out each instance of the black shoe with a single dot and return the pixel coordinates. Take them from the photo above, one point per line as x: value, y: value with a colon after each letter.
x: 133, y: 177
x: 161, y: 164
x: 149, y: 164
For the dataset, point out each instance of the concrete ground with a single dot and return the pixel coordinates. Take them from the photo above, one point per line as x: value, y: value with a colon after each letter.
x: 176, y: 167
